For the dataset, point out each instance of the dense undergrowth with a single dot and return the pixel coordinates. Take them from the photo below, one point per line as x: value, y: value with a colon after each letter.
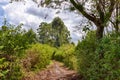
x: 38, y: 56
x: 99, y: 60
x: 21, y: 53
x: 66, y: 54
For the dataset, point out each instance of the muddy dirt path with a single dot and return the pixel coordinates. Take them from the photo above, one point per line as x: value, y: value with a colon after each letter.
x: 55, y: 71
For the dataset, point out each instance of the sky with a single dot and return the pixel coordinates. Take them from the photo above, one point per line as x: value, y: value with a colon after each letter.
x: 31, y: 16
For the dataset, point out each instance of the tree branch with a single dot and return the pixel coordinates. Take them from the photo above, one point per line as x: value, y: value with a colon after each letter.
x: 80, y: 8
x: 100, y: 11
x: 111, y: 8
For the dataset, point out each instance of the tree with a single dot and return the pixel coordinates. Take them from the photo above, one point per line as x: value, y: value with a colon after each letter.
x: 98, y: 12
x: 30, y: 36
x: 60, y: 32
x: 117, y: 16
x: 44, y: 32
x: 115, y: 20
x: 55, y: 33
x: 104, y: 13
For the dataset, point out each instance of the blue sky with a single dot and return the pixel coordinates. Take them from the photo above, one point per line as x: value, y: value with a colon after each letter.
x: 31, y: 16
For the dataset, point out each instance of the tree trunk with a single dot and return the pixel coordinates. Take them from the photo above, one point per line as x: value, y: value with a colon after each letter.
x: 99, y: 35
x: 99, y: 32
x: 117, y: 21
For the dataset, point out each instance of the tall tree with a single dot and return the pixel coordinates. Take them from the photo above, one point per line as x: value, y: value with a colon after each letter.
x: 103, y: 8
x: 44, y: 32
x: 98, y: 12
x: 55, y: 33
x: 60, y: 32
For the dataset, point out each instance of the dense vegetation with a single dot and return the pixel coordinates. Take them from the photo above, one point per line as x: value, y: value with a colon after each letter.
x: 93, y: 59
x: 99, y: 59
x: 23, y: 51
x: 96, y: 57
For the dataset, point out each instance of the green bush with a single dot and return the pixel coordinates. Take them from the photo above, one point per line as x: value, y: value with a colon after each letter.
x: 110, y: 63
x: 3, y: 68
x: 38, y: 56
x: 85, y: 51
x: 99, y: 60
x: 15, y: 71
x: 10, y: 70
x: 12, y: 40
x: 66, y: 55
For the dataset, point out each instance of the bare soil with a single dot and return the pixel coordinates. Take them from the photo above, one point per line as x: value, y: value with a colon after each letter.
x: 55, y: 71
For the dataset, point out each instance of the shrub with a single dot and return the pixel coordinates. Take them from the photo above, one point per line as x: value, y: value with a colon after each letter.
x: 3, y: 68
x: 66, y: 55
x: 10, y: 70
x: 110, y: 63
x: 12, y: 40
x: 94, y: 66
x: 15, y: 71
x: 38, y: 56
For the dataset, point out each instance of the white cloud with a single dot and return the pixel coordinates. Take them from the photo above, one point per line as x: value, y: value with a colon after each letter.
x: 42, y: 13
x: 31, y: 16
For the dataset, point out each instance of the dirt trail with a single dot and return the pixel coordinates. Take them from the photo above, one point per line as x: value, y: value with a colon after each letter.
x: 55, y: 71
